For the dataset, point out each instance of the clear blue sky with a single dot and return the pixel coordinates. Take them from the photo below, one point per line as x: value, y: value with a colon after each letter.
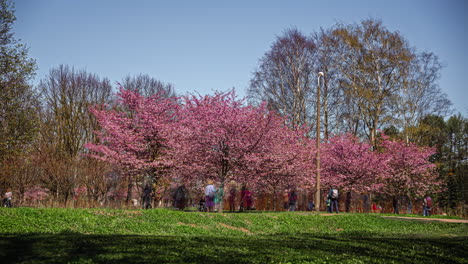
x: 204, y: 46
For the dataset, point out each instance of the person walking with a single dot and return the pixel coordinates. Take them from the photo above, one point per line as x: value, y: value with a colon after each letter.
x: 286, y: 200
x: 334, y: 200
x: 232, y: 197
x: 292, y: 200
x: 210, y: 191
x: 246, y: 199
x: 218, y: 198
x: 427, y: 206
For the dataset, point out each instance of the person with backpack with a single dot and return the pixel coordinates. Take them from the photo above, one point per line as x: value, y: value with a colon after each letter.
x: 334, y: 199
x: 210, y: 191
x: 427, y: 206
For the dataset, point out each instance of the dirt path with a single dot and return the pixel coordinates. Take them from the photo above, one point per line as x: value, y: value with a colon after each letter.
x: 430, y: 219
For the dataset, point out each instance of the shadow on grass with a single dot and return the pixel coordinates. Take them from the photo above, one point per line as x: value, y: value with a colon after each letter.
x: 304, y: 248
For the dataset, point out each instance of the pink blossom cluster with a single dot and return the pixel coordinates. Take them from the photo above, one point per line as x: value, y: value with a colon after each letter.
x: 36, y: 194
x: 394, y: 167
x: 410, y: 171
x: 79, y: 191
x: 118, y: 194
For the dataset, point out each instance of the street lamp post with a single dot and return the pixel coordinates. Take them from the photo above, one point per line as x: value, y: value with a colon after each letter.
x: 317, y: 193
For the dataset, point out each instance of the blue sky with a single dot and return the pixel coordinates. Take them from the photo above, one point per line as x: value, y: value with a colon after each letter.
x: 203, y: 46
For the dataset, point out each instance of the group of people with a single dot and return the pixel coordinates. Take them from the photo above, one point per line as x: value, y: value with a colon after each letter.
x: 214, y: 197
x: 290, y: 200
x: 332, y: 203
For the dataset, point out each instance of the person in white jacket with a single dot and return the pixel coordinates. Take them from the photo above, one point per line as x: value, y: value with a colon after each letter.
x: 210, y: 191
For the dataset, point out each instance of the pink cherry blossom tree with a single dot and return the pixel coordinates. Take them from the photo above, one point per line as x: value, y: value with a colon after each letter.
x: 203, y: 137
x: 136, y: 134
x: 287, y: 163
x: 351, y: 166
x: 222, y: 139
x: 219, y: 137
x: 410, y: 172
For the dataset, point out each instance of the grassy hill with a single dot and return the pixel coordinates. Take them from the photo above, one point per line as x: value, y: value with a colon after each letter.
x: 163, y: 236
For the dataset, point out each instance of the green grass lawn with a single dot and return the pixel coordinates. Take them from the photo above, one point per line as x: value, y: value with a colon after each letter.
x: 164, y: 236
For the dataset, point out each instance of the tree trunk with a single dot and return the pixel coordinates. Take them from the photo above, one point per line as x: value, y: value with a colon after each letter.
x: 129, y: 191
x: 275, y: 198
x: 396, y: 206
x: 409, y: 208
x: 348, y: 202
x: 366, y: 203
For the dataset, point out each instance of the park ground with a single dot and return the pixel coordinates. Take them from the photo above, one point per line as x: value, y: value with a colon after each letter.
x: 30, y: 235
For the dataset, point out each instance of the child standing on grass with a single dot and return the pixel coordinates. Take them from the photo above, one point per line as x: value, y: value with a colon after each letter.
x: 328, y: 204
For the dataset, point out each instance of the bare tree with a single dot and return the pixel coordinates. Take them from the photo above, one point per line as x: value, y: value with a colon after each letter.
x: 336, y: 111
x: 67, y: 124
x: 421, y: 96
x: 97, y: 179
x: 285, y: 77
x: 373, y: 79
x: 147, y: 86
